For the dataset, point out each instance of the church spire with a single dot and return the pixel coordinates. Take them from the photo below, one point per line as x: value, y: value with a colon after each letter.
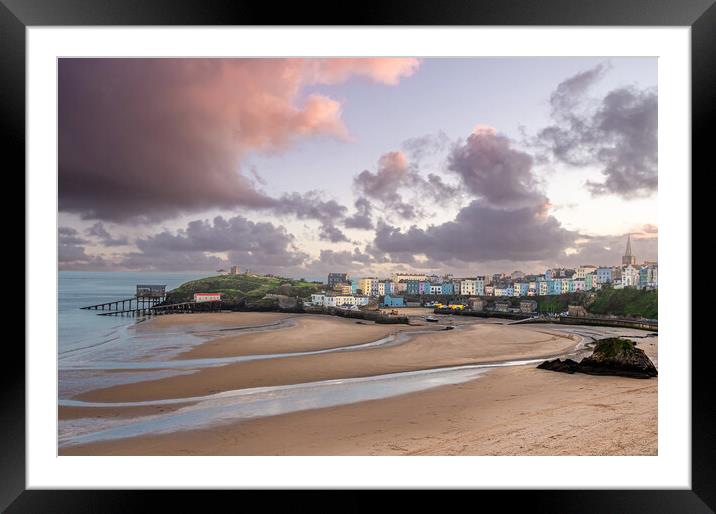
x: 628, y: 248
x: 628, y: 258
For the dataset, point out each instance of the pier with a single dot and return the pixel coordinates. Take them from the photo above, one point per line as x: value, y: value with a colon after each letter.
x: 140, y: 303
x: 150, y: 300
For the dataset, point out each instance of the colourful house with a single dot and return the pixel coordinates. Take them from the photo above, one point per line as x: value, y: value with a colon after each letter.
x: 393, y: 301
x: 412, y: 287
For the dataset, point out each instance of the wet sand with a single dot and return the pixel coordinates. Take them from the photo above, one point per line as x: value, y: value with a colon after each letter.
x: 509, y: 411
x: 212, y: 319
x: 518, y: 410
x: 308, y: 333
x: 476, y: 344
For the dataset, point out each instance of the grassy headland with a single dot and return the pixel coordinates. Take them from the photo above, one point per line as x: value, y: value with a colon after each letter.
x: 236, y: 288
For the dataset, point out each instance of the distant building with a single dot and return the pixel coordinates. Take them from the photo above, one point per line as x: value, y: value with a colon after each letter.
x: 412, y: 287
x: 502, y: 306
x: 628, y: 259
x: 521, y: 288
x: 604, y: 275
x: 528, y: 306
x: 344, y: 288
x: 542, y: 287
x: 335, y: 300
x: 468, y: 287
x: 151, y: 291
x: 337, y: 278
x: 393, y: 301
x: 369, y: 286
x: 207, y: 297
x: 630, y: 276
x: 476, y: 304
x: 397, y: 277
x: 235, y: 270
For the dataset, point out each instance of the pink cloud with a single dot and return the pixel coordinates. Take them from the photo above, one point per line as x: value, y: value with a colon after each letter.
x: 384, y: 70
x: 153, y: 137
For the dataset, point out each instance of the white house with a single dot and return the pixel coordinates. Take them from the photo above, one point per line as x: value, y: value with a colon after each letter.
x: 468, y: 287
x: 344, y: 300
x: 207, y: 297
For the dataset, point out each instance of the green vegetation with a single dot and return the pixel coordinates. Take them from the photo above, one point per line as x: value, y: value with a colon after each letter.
x: 244, y: 287
x: 623, y: 303
x: 611, y: 347
x: 556, y: 303
x: 626, y: 302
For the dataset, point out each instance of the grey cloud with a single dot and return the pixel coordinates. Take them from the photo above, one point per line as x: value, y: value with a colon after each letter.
x: 420, y: 147
x: 332, y: 233
x: 569, y: 92
x: 257, y: 244
x: 311, y: 206
x: 440, y: 189
x: 69, y: 236
x: 480, y: 232
x: 344, y: 258
x: 383, y: 185
x: 493, y: 171
x: 71, y: 253
x: 362, y: 219
x: 394, y: 173
x: 98, y: 231
x: 619, y: 135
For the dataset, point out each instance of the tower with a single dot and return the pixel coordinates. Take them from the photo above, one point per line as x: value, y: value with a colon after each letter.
x: 628, y: 258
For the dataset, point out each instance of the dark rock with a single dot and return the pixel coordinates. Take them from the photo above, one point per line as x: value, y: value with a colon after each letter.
x: 615, y: 356
x: 612, y: 356
x: 565, y: 366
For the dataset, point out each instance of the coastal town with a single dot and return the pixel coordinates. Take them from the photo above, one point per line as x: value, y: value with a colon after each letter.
x: 416, y: 289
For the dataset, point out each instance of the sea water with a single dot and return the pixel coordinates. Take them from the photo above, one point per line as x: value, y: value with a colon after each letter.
x: 85, y: 338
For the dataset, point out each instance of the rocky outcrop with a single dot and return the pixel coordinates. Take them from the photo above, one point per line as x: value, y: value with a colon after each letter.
x: 612, y: 356
x: 565, y: 366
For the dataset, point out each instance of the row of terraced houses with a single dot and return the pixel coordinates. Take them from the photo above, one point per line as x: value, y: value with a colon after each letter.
x: 343, y: 290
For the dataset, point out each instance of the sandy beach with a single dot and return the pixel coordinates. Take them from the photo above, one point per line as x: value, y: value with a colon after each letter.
x: 514, y: 410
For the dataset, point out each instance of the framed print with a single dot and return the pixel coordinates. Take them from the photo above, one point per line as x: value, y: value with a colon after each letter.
x: 417, y: 251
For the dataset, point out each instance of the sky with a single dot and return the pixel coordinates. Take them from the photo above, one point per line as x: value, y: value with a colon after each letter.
x: 300, y: 167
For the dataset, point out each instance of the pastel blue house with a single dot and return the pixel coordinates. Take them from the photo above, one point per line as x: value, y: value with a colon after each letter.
x: 448, y: 288
x: 604, y: 275
x: 521, y: 288
x: 554, y: 286
x: 412, y: 287
x: 643, y: 277
x: 393, y: 301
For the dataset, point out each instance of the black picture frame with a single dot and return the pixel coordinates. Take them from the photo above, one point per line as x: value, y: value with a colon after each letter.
x: 700, y: 15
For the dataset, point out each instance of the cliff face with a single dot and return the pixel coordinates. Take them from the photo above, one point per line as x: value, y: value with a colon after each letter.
x: 611, y: 356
